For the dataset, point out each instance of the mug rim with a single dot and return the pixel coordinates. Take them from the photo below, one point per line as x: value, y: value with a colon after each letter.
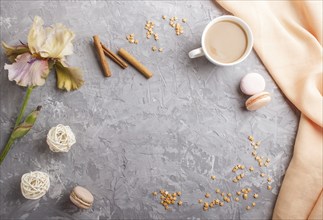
x: 243, y: 25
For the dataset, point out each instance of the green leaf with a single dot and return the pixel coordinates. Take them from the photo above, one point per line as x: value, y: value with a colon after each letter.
x: 25, y: 127
x: 68, y: 78
x: 13, y: 52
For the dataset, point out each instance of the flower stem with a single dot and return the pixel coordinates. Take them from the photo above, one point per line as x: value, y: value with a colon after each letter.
x: 6, y: 149
x: 24, y: 105
x: 18, y: 120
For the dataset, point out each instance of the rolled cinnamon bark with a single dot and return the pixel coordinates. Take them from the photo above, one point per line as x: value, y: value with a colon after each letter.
x: 104, y: 64
x: 135, y: 63
x: 114, y: 57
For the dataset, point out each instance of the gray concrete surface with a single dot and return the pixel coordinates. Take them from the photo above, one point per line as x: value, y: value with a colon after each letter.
x: 135, y: 136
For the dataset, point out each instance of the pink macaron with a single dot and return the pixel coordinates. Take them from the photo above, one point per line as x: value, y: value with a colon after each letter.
x: 252, y: 83
x: 258, y: 101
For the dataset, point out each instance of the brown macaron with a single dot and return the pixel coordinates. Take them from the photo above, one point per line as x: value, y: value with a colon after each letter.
x: 258, y: 101
x: 81, y: 197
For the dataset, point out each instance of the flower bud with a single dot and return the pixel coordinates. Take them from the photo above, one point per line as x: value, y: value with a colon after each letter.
x: 25, y: 127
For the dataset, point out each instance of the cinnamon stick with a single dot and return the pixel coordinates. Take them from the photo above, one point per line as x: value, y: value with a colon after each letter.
x: 135, y: 63
x: 104, y: 64
x: 114, y: 57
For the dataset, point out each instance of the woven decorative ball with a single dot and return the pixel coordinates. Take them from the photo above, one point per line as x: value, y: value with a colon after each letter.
x: 34, y: 184
x: 60, y: 138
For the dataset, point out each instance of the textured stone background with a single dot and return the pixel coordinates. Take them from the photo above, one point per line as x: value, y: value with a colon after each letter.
x: 134, y: 135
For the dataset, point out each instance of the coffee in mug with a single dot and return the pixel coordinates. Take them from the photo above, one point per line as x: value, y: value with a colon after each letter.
x: 226, y: 41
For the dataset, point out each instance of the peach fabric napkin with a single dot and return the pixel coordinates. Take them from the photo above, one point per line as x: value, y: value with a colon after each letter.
x: 288, y: 39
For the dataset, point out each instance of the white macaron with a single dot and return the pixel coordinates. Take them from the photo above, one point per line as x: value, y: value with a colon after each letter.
x: 252, y: 83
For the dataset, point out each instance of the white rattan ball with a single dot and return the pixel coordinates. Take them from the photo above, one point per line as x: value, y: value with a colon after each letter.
x: 34, y: 184
x: 60, y: 138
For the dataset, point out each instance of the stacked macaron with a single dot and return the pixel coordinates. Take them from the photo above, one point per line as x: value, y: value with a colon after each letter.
x: 254, y: 84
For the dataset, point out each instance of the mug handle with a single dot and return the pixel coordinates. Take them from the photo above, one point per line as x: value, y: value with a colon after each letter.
x: 196, y: 53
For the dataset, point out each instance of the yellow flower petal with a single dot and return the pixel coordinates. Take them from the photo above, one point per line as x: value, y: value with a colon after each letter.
x: 13, y: 52
x: 68, y: 78
x: 36, y: 36
x: 51, y: 42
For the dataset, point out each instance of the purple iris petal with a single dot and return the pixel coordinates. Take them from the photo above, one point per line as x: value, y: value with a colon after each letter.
x: 27, y: 70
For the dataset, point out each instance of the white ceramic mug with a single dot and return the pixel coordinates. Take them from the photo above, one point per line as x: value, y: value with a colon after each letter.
x: 203, y: 52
